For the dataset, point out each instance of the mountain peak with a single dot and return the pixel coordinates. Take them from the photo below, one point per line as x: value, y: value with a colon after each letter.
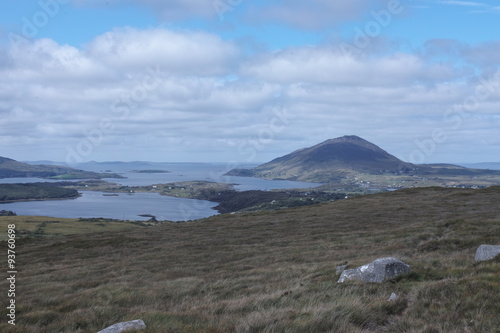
x: 348, y: 138
x: 352, y: 139
x: 330, y: 160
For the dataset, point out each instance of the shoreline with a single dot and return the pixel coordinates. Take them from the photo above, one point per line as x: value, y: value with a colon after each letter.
x: 46, y: 199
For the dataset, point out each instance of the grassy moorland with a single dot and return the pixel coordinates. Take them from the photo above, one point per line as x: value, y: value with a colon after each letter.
x: 43, y: 227
x: 274, y: 271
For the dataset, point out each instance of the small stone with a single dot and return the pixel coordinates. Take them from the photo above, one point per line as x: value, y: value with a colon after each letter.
x: 393, y: 297
x: 487, y: 252
x: 125, y: 326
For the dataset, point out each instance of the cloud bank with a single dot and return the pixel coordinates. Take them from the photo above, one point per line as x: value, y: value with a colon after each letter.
x: 163, y: 94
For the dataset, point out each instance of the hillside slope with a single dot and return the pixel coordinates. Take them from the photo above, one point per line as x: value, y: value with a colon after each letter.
x: 10, y: 168
x: 275, y: 271
x: 34, y: 191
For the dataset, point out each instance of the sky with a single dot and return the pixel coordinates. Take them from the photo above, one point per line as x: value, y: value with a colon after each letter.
x: 246, y: 81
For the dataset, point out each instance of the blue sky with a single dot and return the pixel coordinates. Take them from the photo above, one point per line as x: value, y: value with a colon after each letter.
x: 76, y: 23
x: 246, y: 81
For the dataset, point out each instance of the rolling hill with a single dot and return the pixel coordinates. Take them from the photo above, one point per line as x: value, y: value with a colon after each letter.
x: 10, y: 168
x: 34, y: 191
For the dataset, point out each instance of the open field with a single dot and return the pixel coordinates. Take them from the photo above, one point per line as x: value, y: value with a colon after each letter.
x: 273, y: 271
x: 42, y: 226
x: 362, y: 183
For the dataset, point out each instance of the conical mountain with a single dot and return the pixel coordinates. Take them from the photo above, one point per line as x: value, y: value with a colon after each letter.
x: 328, y: 161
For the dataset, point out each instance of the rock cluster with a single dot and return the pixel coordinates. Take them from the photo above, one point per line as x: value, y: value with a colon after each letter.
x: 388, y: 268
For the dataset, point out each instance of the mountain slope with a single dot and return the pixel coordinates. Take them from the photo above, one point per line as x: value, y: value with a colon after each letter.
x: 330, y: 160
x: 10, y: 168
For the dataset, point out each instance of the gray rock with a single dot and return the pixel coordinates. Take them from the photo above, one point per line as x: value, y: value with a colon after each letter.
x: 340, y: 269
x: 125, y: 326
x: 377, y: 271
x: 393, y: 297
x: 487, y: 252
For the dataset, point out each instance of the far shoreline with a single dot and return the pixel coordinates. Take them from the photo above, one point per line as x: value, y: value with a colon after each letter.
x: 42, y: 199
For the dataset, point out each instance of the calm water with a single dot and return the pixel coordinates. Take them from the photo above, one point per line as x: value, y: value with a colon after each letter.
x: 189, y: 171
x: 129, y: 206
x: 125, y: 206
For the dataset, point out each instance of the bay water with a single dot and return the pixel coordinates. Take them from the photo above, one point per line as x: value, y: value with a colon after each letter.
x: 129, y: 206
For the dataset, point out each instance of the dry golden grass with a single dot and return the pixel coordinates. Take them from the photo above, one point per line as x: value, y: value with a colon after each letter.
x: 43, y: 226
x: 275, y: 271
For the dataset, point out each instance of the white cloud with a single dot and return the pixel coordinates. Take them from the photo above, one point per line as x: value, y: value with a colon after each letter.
x: 171, y: 10
x: 484, y: 55
x: 313, y: 14
x: 46, y: 60
x: 213, y: 97
x: 327, y: 65
x: 57, y: 93
x: 463, y: 3
x: 474, y: 6
x: 189, y: 53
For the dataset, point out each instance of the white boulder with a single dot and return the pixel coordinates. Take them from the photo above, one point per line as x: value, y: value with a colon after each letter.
x: 125, y: 326
x: 487, y: 252
x: 377, y: 271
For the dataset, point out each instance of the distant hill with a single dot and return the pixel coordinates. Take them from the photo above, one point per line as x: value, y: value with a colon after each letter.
x: 330, y: 160
x: 34, y: 191
x: 10, y: 168
x: 337, y: 159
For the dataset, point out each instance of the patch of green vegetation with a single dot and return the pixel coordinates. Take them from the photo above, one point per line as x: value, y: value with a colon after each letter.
x: 7, y: 213
x: 34, y: 191
x: 150, y: 171
x: 85, y: 175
